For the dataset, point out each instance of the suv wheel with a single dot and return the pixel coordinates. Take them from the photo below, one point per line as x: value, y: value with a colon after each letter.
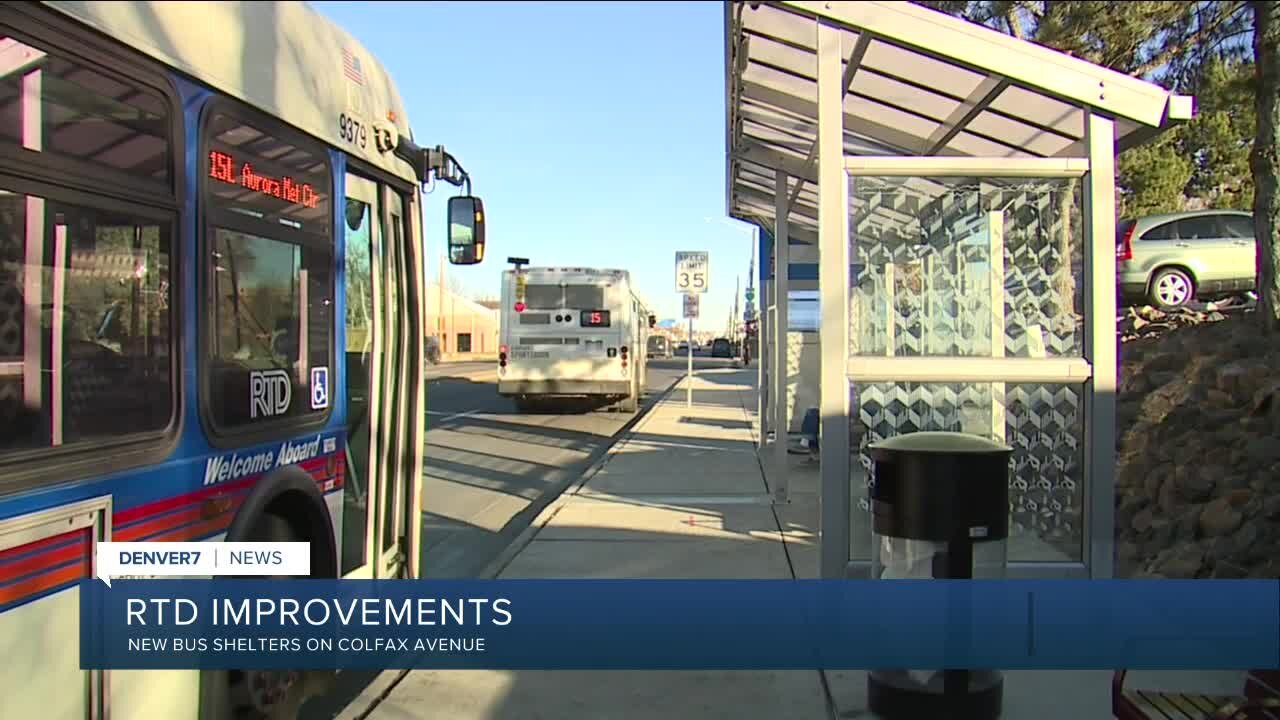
x: 1171, y: 288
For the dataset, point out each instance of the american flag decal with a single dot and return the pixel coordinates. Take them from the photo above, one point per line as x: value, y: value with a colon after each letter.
x: 351, y: 67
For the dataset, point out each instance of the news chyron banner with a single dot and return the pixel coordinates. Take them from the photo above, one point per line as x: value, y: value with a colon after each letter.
x: 185, y: 616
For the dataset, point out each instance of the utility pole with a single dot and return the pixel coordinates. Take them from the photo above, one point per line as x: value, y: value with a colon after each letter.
x: 440, y: 306
x: 733, y: 319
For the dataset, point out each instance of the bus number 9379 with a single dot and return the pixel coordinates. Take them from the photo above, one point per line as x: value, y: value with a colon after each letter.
x: 352, y: 130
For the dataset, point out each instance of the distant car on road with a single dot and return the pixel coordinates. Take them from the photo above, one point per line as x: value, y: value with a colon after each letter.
x: 659, y: 346
x: 683, y: 348
x: 722, y: 348
x: 1170, y: 260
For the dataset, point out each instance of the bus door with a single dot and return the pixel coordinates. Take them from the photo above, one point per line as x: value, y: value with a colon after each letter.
x: 401, y: 375
x: 383, y: 375
x: 365, y: 343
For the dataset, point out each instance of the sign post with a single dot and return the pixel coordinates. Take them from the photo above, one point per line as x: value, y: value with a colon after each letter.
x: 693, y: 278
x: 690, y: 312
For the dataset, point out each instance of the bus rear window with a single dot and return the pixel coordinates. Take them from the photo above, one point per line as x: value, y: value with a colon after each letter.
x: 543, y: 297
x: 583, y: 297
x: 571, y: 297
x: 85, y: 329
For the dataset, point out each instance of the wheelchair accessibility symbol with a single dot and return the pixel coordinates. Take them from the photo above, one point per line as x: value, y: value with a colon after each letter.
x: 319, y: 388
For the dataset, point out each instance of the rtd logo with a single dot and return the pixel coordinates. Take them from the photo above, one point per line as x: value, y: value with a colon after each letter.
x: 270, y: 393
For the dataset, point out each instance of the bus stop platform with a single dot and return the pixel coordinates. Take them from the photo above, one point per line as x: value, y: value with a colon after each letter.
x: 684, y: 495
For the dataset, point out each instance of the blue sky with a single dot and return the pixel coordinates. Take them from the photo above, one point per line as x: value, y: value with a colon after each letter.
x: 594, y: 132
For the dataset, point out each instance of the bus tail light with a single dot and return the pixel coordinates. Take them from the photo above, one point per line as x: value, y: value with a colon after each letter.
x: 502, y: 356
x: 519, y: 307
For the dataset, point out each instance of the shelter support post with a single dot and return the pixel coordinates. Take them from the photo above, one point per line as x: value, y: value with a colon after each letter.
x: 833, y: 285
x: 781, y: 403
x: 1100, y: 345
x: 762, y: 362
x: 996, y: 279
x: 890, y: 301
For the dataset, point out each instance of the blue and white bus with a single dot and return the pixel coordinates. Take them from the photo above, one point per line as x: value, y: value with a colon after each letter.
x: 211, y: 318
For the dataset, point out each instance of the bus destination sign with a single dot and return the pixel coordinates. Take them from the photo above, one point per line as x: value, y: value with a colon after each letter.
x: 223, y: 167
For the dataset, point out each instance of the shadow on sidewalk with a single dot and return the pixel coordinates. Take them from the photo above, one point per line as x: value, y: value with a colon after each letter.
x: 728, y: 375
x: 684, y: 442
x: 715, y: 422
x: 706, y: 399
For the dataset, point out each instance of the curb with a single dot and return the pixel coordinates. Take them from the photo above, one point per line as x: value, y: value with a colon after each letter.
x: 521, y: 541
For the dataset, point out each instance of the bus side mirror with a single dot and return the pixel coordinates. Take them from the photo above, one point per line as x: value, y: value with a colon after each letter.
x: 653, y: 321
x: 466, y: 230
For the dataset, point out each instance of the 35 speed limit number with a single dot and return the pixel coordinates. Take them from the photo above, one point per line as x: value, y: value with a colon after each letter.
x: 693, y: 272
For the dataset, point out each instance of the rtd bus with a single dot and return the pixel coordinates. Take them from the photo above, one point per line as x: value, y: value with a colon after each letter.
x: 572, y: 332
x: 211, y: 310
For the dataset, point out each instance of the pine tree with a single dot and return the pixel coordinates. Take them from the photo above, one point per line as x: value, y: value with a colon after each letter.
x: 1266, y: 164
x: 1227, y: 156
x: 1219, y: 140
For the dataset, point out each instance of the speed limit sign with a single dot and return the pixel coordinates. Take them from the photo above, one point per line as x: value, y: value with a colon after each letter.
x: 693, y: 272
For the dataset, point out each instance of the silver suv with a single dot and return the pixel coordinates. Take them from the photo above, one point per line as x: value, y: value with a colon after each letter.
x: 1170, y: 260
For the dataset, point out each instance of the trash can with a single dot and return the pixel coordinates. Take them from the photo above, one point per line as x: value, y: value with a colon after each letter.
x: 940, y: 510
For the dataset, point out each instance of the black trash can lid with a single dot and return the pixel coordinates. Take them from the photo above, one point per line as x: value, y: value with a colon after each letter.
x: 930, y: 441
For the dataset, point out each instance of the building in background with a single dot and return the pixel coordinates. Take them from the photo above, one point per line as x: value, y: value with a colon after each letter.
x: 461, y: 327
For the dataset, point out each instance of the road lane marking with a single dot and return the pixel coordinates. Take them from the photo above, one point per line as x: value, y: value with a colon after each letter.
x: 473, y: 375
x: 450, y: 416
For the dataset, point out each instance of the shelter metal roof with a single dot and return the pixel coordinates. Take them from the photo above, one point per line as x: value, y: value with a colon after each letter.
x: 917, y: 82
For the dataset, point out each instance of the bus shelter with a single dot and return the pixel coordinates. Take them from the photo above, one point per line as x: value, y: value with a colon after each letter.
x: 949, y: 191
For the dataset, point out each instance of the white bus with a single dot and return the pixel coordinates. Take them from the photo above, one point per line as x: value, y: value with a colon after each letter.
x: 211, y: 320
x: 572, y: 332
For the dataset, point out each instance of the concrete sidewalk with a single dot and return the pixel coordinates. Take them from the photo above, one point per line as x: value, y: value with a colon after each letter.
x: 683, y: 495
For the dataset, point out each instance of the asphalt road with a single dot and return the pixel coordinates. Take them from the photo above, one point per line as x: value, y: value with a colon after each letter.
x: 491, y: 469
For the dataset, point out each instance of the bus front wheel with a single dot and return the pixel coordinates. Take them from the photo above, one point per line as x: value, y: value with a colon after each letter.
x: 264, y: 694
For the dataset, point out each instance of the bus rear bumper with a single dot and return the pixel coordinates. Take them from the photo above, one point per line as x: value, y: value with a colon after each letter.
x: 616, y: 388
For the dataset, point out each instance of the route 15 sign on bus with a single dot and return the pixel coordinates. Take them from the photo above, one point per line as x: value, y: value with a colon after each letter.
x: 693, y: 272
